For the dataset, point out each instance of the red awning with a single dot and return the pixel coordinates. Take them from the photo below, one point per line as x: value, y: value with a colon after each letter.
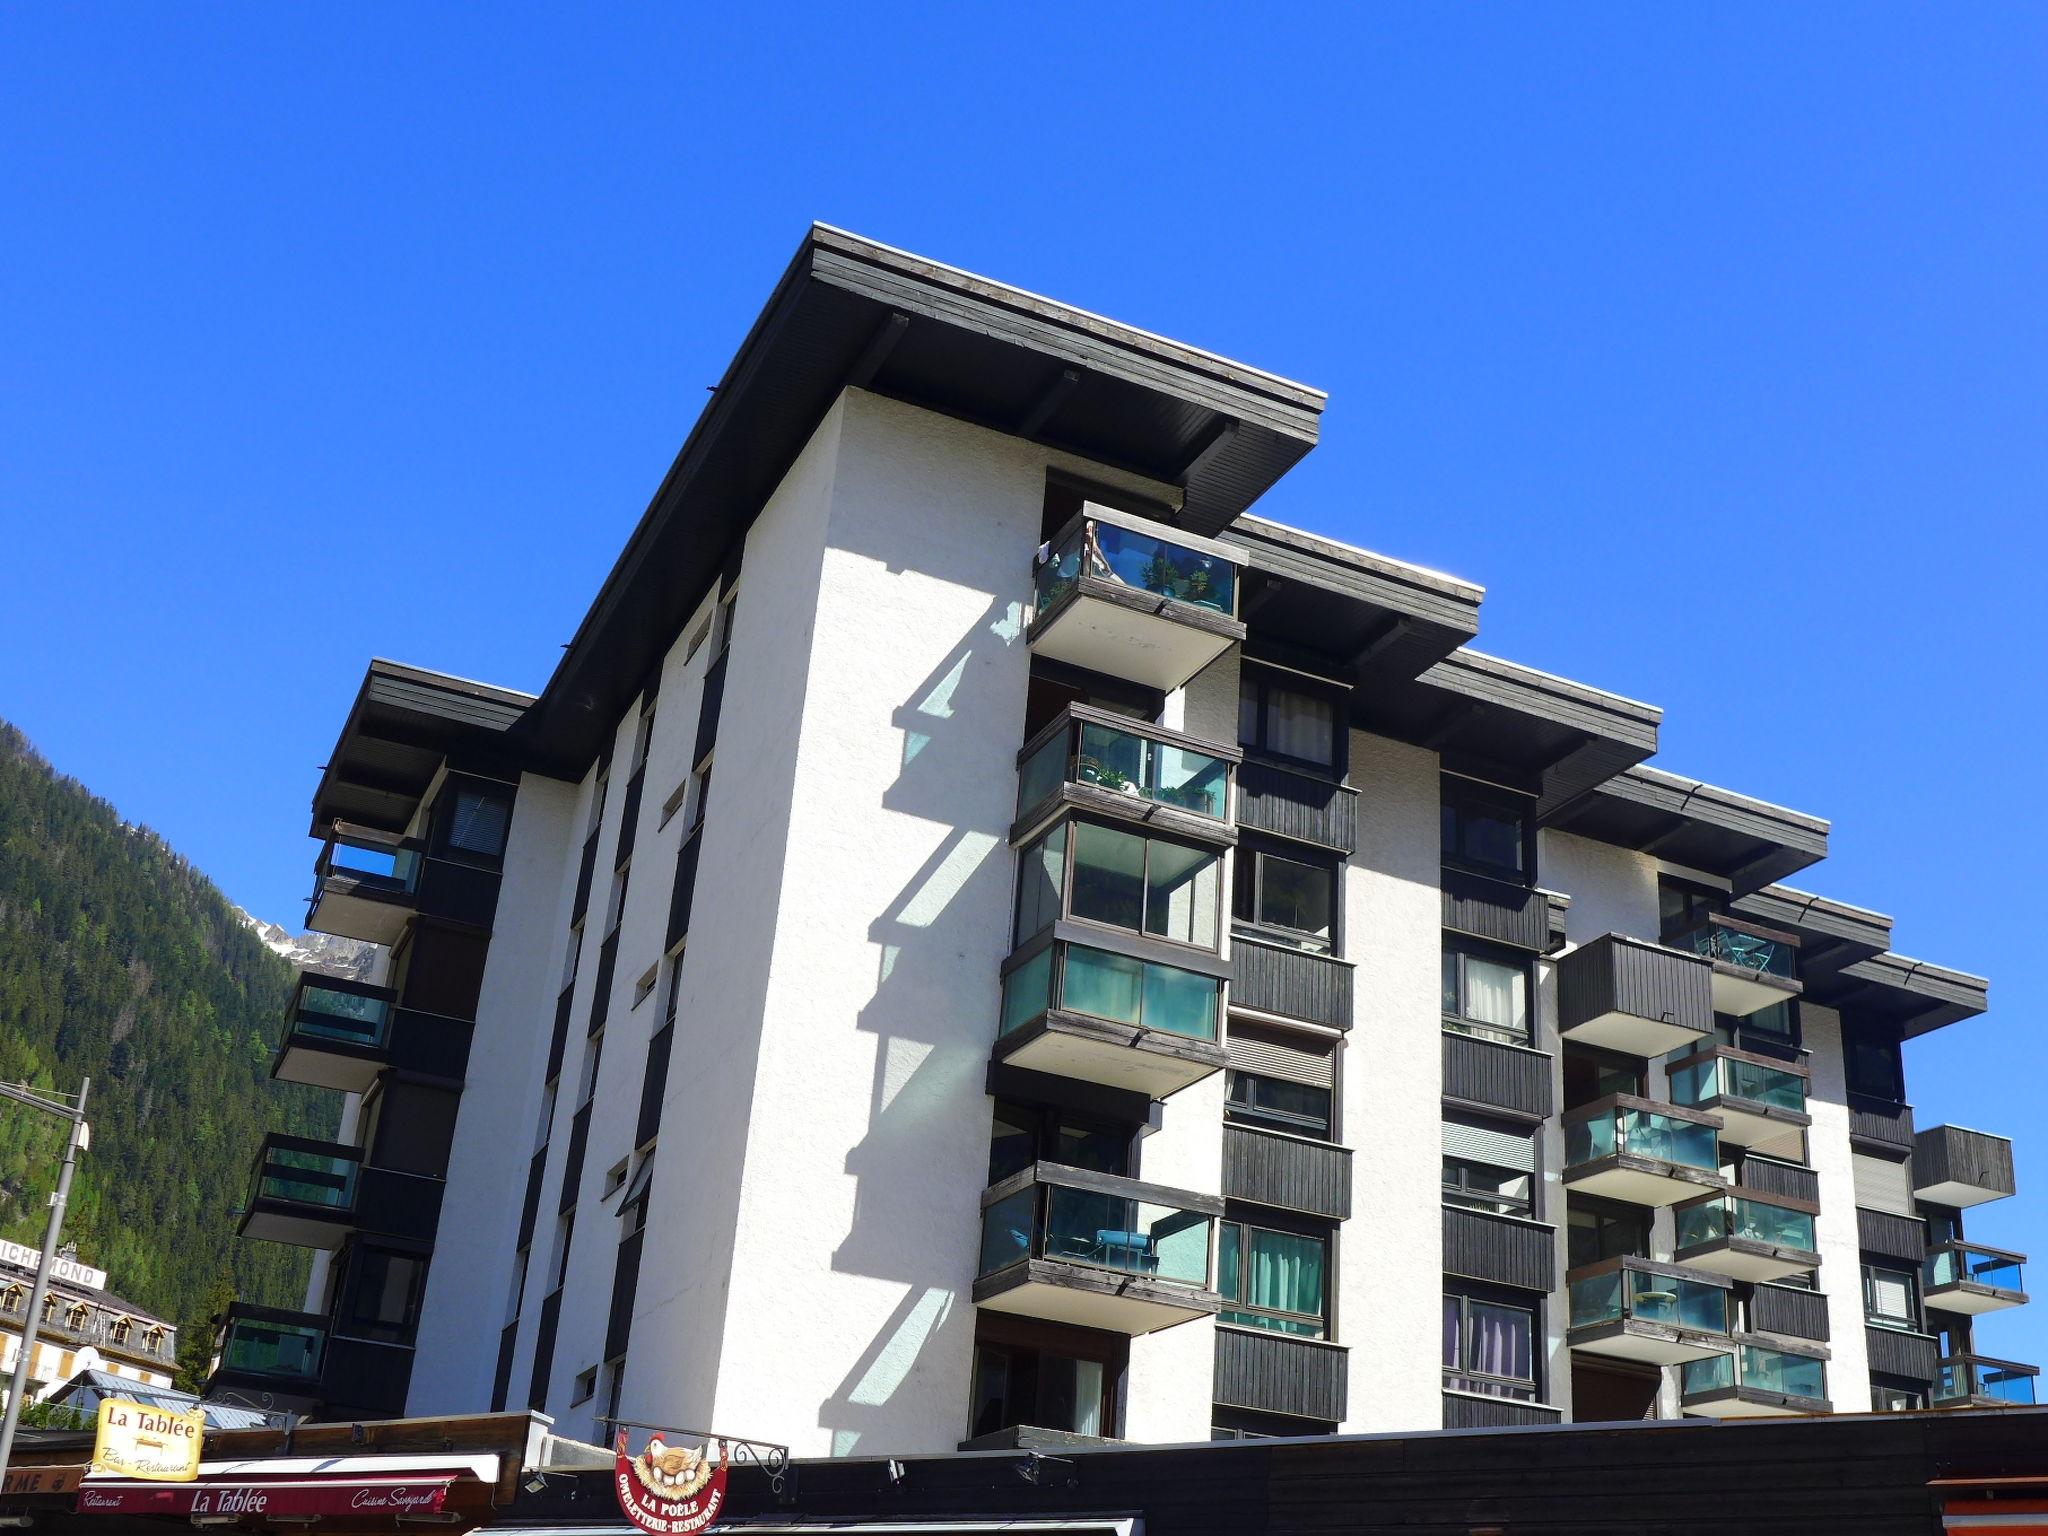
x: 342, y: 1495
x: 1996, y: 1516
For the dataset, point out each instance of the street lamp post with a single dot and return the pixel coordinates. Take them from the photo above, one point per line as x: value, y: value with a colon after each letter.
x: 74, y: 1141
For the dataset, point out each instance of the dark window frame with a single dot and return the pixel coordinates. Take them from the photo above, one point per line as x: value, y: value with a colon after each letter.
x: 1909, y: 1323
x: 1248, y: 886
x: 1248, y: 1222
x: 1261, y: 683
x: 1860, y: 1046
x: 1457, y: 796
x: 1464, y: 1196
x: 1045, y: 1122
x: 1248, y: 1112
x: 1529, y: 1390
x: 1463, y: 949
x: 1011, y: 1335
x: 1069, y: 863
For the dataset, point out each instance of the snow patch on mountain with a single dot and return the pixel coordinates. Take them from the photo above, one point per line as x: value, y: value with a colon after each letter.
x: 326, y: 952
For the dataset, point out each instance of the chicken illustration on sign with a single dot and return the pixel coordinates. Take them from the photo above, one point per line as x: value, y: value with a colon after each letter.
x: 669, y: 1490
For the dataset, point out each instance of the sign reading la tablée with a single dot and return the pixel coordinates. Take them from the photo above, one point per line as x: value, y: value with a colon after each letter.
x: 669, y: 1490
x: 152, y: 1445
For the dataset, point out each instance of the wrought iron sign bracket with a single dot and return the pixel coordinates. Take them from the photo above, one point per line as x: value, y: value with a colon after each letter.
x: 771, y: 1459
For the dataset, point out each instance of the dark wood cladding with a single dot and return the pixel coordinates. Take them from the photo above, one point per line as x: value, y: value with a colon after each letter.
x: 1468, y: 1410
x: 1291, y: 983
x: 1499, y: 1076
x: 586, y: 870
x: 1616, y: 974
x: 684, y: 890
x: 1892, y: 1237
x: 654, y: 1085
x: 1766, y: 1177
x: 1504, y: 1250
x: 629, y: 817
x: 601, y: 994
x: 625, y: 1286
x: 1494, y: 910
x: 1289, y: 1172
x: 1277, y: 1373
x: 1296, y: 805
x: 544, y: 1351
x: 501, y: 1378
x: 708, y: 710
x: 1789, y: 1311
x: 1894, y: 1352
x: 559, y: 1041
x: 529, y: 1209
x: 1880, y: 1122
x: 1949, y: 1154
x: 572, y: 1169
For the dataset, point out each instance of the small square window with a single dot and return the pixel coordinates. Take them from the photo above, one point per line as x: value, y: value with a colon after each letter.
x: 644, y: 987
x: 673, y: 803
x: 615, y: 1176
x: 586, y: 1386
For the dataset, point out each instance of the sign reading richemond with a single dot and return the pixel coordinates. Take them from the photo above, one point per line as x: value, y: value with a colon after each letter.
x: 149, y: 1444
x: 669, y: 1490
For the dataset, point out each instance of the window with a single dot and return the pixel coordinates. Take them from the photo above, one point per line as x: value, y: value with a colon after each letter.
x: 615, y: 1373
x: 585, y: 1387
x: 1294, y: 896
x: 597, y: 796
x: 644, y: 987
x: 1871, y: 1066
x: 591, y: 1059
x: 1895, y: 1400
x: 1891, y: 1297
x: 644, y: 741
x: 615, y: 1176
x: 1270, y: 1279
x: 1165, y: 889
x: 1488, y: 1348
x: 699, y: 791
x: 1483, y: 830
x: 1477, y: 1186
x: 1681, y: 908
x: 383, y: 1295
x: 1596, y: 1232
x: 721, y: 632
x: 1041, y: 880
x: 1486, y: 995
x: 615, y: 908
x: 673, y: 803
x: 1021, y: 1136
x: 1039, y: 1387
x: 478, y: 822
x: 697, y: 638
x: 1777, y: 1025
x: 1278, y: 1104
x: 1286, y: 722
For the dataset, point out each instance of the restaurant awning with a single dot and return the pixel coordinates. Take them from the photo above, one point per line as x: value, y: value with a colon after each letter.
x: 294, y: 1486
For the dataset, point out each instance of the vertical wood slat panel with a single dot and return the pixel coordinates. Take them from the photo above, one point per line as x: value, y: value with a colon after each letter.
x: 1949, y: 1153
x: 1789, y: 1310
x: 1894, y: 1352
x: 1296, y: 805
x: 1506, y: 1077
x: 1615, y: 974
x: 1499, y: 1249
x: 1287, y: 1172
x: 1773, y: 1178
x: 1495, y: 911
x: 1891, y: 1236
x: 1462, y: 1411
x: 1276, y: 1373
x: 1290, y: 983
x: 1881, y: 1122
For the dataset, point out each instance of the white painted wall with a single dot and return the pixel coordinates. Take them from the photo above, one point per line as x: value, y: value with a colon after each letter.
x: 1391, y: 1250
x: 1841, y: 1274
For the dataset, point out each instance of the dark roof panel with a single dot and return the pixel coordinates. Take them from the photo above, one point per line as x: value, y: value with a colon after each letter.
x: 1748, y: 842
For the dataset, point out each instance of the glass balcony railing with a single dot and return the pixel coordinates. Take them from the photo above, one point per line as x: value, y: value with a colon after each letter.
x: 1762, y: 1370
x: 1642, y: 1132
x: 304, y: 1172
x: 1728, y: 1217
x: 1708, y: 1078
x: 1119, y: 988
x: 1646, y: 1296
x: 1962, y: 1378
x: 1128, y: 557
x: 348, y: 1016
x: 1073, y: 1223
x: 1967, y: 1264
x: 1125, y: 760
x: 1739, y: 944
x: 263, y: 1341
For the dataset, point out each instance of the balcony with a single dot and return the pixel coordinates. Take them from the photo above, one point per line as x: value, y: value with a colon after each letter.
x: 1625, y: 1148
x: 1754, y: 966
x: 1755, y: 1098
x: 1095, y: 761
x: 1089, y: 1013
x: 1755, y: 1382
x: 1289, y: 983
x: 1641, y: 999
x: 1958, y: 1167
x: 296, y: 1360
x: 369, y: 884
x: 343, y: 1033
x: 1269, y: 1372
x: 1500, y: 911
x: 1300, y: 806
x: 1135, y: 599
x: 1977, y: 1381
x: 1494, y: 1075
x: 1900, y: 1352
x: 1473, y: 1410
x: 1500, y: 1249
x: 1069, y: 1246
x: 1290, y: 1173
x: 312, y: 1194
x: 1972, y: 1279
x: 1790, y: 1311
x: 1656, y: 1314
x: 1880, y: 1126
x: 1746, y: 1236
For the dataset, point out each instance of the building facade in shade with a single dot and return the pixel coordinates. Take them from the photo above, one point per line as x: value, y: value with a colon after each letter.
x: 985, y: 939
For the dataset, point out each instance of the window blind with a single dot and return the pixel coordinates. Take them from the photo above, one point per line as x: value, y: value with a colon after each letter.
x: 1300, y: 1058
x: 1882, y: 1185
x: 1484, y: 1144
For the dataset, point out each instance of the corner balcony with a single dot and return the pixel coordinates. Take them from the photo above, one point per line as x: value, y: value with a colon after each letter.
x: 1755, y: 1382
x: 337, y: 1035
x: 1091, y: 760
x: 1746, y: 1236
x: 1754, y: 966
x: 368, y: 884
x: 1972, y: 1279
x: 1654, y: 1314
x: 1091, y: 1012
x: 1634, y: 997
x: 313, y: 1194
x: 295, y: 1360
x: 1958, y: 1167
x: 1131, y: 598
x: 1978, y: 1381
x: 1639, y: 1151
x: 1756, y: 1099
x: 1069, y: 1246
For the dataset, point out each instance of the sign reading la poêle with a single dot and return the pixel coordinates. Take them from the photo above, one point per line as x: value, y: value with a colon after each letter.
x: 151, y: 1445
x: 669, y: 1490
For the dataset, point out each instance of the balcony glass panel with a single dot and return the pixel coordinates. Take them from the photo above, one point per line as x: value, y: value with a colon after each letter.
x: 1714, y: 1221
x: 1006, y: 1230
x: 1724, y: 1077
x: 1645, y: 1134
x: 1645, y: 1297
x: 1773, y: 1370
x: 1138, y: 560
x: 1027, y: 990
x: 308, y: 1178
x: 1135, y: 1236
x: 332, y: 1014
x: 1139, y: 993
x: 261, y: 1347
x: 1966, y: 1376
x: 1977, y: 1266
x: 1042, y: 772
x: 380, y: 862
x: 1130, y: 764
x: 1716, y: 1373
x: 1750, y: 951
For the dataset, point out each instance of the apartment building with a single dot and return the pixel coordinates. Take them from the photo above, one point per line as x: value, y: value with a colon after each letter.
x: 83, y: 1327
x: 985, y: 940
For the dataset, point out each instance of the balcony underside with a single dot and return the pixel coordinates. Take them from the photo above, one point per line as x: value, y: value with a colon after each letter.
x: 1740, y: 991
x: 1125, y: 632
x: 322, y: 1063
x: 374, y: 911
x: 1086, y: 1297
x: 302, y: 1226
x: 1973, y: 1300
x: 1639, y: 1180
x: 1632, y: 1034
x: 1752, y: 1403
x: 1742, y: 1259
x: 1645, y: 1343
x: 1156, y: 1063
x: 1746, y: 1123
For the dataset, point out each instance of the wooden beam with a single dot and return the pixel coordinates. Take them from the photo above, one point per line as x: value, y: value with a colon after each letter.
x: 877, y: 351
x: 1207, y: 446
x: 1678, y: 828
x: 1387, y: 634
x: 1049, y: 400
x: 1449, y: 724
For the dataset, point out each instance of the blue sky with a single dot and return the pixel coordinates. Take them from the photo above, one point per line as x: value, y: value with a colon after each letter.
x: 1711, y: 339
